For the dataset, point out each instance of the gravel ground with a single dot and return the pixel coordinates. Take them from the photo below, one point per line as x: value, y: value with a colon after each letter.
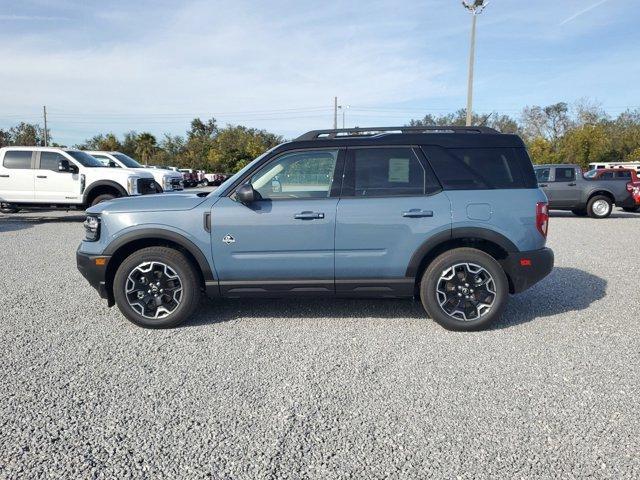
x: 310, y: 389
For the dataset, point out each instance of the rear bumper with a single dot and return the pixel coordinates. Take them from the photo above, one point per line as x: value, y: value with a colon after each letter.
x: 95, y: 274
x: 525, y: 269
x: 629, y: 202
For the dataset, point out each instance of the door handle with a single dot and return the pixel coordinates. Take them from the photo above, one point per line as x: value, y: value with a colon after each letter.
x: 543, y: 185
x: 4, y: 176
x: 41, y: 176
x: 417, y: 213
x: 572, y: 184
x: 308, y: 215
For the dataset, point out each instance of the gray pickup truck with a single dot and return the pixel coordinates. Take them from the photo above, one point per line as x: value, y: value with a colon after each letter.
x: 567, y: 189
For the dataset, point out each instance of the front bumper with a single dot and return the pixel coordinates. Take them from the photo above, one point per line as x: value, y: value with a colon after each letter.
x: 95, y: 273
x: 525, y: 269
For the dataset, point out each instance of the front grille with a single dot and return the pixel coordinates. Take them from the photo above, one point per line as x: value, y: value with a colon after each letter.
x: 147, y: 186
x: 176, y: 184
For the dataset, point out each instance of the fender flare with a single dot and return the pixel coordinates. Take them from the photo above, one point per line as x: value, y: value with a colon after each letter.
x: 454, y: 234
x: 158, y: 233
x: 103, y: 183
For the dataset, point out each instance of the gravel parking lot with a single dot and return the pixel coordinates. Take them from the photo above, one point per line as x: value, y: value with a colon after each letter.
x: 317, y: 389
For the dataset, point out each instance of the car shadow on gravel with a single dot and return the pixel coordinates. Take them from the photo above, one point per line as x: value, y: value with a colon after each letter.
x: 14, y: 222
x: 615, y: 214
x: 564, y: 290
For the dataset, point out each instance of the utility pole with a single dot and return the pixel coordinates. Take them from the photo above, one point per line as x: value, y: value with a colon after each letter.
x: 46, y: 133
x: 475, y: 8
x: 335, y: 113
x: 343, y: 108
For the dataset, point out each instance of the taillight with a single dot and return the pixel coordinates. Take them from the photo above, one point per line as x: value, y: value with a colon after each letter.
x: 542, y: 218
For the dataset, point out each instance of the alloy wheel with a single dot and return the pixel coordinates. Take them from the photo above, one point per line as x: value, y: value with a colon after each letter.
x: 466, y: 291
x: 153, y: 290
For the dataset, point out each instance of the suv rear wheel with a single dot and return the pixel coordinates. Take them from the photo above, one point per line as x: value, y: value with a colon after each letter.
x: 599, y: 207
x: 156, y: 287
x: 464, y: 289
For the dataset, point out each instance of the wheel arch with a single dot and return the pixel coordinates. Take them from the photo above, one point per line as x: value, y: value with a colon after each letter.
x: 488, y: 241
x: 101, y: 187
x: 601, y: 191
x: 131, y: 242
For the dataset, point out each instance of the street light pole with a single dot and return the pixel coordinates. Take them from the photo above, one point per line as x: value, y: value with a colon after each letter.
x: 343, y: 108
x: 475, y: 9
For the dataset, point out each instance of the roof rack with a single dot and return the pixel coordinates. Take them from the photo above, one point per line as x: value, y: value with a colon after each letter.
x: 372, y: 131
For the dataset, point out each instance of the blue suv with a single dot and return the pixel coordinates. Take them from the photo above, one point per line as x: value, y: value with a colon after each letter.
x: 450, y: 215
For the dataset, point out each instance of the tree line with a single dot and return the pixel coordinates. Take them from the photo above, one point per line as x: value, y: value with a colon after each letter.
x: 560, y: 133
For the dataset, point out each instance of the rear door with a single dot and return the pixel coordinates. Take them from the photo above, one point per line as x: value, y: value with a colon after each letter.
x: 389, y: 205
x: 283, y: 242
x: 563, y: 190
x: 17, y: 176
x: 52, y: 185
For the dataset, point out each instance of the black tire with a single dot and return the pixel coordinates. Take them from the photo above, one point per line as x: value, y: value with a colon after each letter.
x: 188, y: 279
x: 595, y: 202
x: 631, y: 209
x: 102, y: 198
x: 579, y: 212
x: 432, y: 277
x: 8, y: 210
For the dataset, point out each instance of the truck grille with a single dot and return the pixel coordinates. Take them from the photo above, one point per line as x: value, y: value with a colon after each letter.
x: 147, y: 186
x: 176, y: 184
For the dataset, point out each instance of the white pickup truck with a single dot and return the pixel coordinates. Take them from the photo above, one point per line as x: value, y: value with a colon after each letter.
x: 167, y: 179
x: 62, y: 178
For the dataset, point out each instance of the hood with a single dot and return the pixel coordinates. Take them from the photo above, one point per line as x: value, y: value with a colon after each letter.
x: 120, y: 173
x: 157, y: 172
x: 161, y: 202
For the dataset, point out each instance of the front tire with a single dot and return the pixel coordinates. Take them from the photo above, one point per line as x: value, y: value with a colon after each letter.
x: 157, y: 287
x: 5, y: 208
x: 599, y: 207
x: 464, y: 289
x: 102, y: 198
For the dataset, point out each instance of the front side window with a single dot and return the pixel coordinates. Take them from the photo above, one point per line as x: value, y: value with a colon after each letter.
x: 49, y: 160
x: 385, y: 172
x: 542, y: 174
x: 17, y: 159
x: 565, y: 174
x: 305, y: 174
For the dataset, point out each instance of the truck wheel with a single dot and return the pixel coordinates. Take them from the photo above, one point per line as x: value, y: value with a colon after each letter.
x: 102, y: 198
x: 5, y: 208
x: 156, y: 287
x: 599, y: 207
x: 631, y: 209
x: 464, y: 289
x: 579, y: 212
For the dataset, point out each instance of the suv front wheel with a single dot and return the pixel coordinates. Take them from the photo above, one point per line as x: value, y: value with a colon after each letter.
x: 464, y: 289
x: 156, y: 287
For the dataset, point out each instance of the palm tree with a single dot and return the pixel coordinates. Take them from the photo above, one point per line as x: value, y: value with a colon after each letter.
x: 145, y: 146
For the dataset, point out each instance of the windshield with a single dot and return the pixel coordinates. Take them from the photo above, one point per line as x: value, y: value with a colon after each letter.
x: 127, y: 160
x: 85, y: 159
x: 233, y: 178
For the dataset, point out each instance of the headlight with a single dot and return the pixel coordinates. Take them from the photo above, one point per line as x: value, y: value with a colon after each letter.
x: 132, y: 185
x: 92, y: 228
x: 166, y: 183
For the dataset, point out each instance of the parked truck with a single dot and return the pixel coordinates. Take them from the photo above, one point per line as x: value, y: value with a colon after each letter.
x: 568, y: 189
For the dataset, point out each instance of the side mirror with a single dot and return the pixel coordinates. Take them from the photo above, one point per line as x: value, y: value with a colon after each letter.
x: 64, y: 166
x: 246, y: 194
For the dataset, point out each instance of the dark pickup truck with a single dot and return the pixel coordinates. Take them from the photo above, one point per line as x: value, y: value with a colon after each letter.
x: 567, y: 189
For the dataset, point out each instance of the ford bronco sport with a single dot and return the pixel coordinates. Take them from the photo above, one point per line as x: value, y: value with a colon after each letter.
x: 450, y: 215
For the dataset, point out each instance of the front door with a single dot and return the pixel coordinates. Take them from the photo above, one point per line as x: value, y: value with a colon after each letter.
x: 563, y: 191
x: 283, y: 242
x: 54, y: 186
x: 391, y: 203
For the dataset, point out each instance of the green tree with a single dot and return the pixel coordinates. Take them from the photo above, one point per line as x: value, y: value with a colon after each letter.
x: 27, y: 134
x: 235, y: 146
x: 146, y: 146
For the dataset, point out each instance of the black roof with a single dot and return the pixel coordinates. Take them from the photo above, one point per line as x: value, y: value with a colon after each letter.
x: 446, y: 136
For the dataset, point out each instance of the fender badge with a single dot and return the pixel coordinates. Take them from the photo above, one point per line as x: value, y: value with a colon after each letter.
x: 228, y: 239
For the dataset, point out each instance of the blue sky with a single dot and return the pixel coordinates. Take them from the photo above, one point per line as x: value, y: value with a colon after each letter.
x: 154, y: 65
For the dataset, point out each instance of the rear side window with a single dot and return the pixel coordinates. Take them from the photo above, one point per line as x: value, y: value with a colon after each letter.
x: 49, y: 160
x: 565, y: 174
x: 623, y: 175
x: 386, y: 172
x: 482, y: 168
x: 17, y: 159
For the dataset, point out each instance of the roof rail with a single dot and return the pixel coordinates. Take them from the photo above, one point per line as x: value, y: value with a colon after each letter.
x: 370, y: 131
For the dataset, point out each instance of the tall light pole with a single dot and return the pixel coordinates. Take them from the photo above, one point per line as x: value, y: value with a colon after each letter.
x: 343, y: 108
x: 475, y: 7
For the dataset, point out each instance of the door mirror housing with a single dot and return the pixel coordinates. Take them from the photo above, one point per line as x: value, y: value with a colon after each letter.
x: 246, y: 194
x: 64, y: 166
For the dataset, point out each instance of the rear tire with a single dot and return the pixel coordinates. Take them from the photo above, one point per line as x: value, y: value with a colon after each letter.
x: 169, y: 295
x: 579, y: 212
x: 631, y: 209
x: 102, y: 198
x: 599, y: 207
x: 476, y: 305
x: 4, y: 208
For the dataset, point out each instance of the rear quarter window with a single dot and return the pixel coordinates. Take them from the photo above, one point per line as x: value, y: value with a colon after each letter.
x: 482, y: 168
